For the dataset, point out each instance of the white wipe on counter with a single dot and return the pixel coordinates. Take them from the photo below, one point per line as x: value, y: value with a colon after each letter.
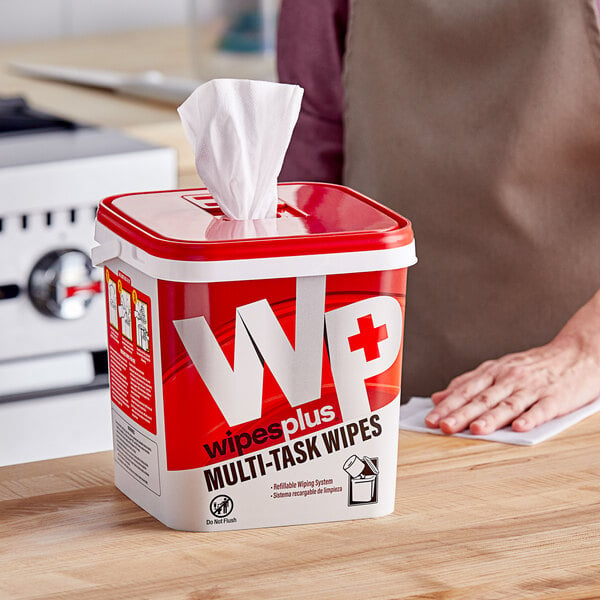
x: 239, y: 131
x: 412, y: 418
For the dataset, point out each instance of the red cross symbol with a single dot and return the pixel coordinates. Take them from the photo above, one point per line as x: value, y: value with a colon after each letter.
x: 368, y: 337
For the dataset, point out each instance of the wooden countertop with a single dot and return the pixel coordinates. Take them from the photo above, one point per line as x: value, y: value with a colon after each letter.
x: 474, y: 520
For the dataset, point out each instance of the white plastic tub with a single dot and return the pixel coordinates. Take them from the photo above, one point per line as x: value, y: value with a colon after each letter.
x: 249, y: 361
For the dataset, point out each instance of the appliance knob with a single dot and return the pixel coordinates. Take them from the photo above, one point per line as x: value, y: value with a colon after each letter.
x: 62, y: 284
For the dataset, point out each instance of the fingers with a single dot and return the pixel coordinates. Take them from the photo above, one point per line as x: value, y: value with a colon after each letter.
x: 459, y: 393
x: 477, y: 409
x: 492, y: 409
x: 458, y: 410
x: 544, y: 410
x: 468, y: 384
x: 504, y: 413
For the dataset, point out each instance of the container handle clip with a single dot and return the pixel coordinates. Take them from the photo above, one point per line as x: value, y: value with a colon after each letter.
x: 105, y: 252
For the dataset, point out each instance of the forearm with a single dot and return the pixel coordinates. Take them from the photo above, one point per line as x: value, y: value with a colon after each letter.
x: 583, y: 329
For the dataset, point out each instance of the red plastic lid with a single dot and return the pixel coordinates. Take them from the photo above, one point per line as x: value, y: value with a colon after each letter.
x: 313, y: 218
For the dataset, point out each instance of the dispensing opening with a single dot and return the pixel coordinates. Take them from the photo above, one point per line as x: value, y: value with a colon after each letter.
x: 208, y: 204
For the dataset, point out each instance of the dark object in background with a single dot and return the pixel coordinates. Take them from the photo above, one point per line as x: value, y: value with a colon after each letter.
x: 245, y: 34
x: 16, y: 117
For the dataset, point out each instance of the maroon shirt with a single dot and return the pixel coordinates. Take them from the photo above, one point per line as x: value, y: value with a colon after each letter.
x: 310, y: 49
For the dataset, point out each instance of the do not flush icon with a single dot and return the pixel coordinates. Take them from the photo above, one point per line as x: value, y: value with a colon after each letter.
x: 362, y: 475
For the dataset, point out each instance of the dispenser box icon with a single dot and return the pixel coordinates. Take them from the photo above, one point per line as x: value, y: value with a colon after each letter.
x: 257, y: 360
x: 363, y: 474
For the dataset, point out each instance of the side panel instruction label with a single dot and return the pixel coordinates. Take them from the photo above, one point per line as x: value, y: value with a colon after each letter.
x: 136, y: 453
x: 130, y: 351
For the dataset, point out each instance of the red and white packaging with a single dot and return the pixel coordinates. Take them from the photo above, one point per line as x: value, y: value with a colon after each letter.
x: 255, y: 365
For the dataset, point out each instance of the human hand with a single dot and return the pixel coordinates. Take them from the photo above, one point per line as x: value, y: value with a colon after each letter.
x: 527, y: 388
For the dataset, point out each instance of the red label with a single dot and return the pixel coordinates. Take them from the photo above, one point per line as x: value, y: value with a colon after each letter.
x: 130, y: 350
x: 212, y: 412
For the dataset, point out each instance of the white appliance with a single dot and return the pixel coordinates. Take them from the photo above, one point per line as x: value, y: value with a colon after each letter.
x: 52, y: 314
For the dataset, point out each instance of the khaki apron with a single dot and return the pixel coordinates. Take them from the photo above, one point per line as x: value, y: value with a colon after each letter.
x: 480, y: 122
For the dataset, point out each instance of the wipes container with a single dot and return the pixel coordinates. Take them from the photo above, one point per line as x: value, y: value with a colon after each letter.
x: 251, y: 362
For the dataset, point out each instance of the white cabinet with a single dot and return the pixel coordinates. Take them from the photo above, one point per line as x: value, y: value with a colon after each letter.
x: 43, y: 428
